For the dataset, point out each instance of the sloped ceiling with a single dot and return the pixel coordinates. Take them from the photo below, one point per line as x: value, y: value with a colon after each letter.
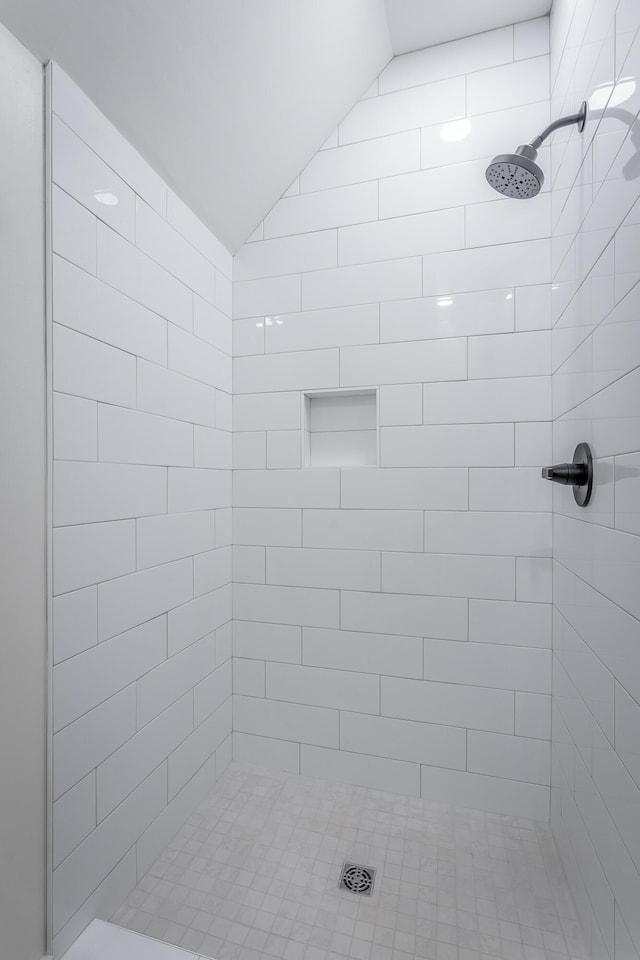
x: 229, y: 99
x: 414, y: 24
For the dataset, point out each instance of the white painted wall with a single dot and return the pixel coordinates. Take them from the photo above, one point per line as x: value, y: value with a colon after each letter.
x: 393, y: 623
x: 595, y: 53
x: 141, y: 523
x: 22, y: 506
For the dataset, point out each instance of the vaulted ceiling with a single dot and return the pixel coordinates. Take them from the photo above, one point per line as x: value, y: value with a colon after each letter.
x: 414, y: 24
x: 229, y: 99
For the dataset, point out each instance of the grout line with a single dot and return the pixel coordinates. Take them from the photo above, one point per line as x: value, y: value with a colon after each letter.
x: 393, y: 760
x: 430, y: 212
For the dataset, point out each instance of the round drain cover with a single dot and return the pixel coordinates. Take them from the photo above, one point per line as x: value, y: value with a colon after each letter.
x: 357, y: 878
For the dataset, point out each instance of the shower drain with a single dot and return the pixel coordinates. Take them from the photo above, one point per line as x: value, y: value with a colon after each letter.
x: 357, y: 879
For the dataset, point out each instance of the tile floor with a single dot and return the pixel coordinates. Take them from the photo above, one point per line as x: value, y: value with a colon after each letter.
x: 254, y: 873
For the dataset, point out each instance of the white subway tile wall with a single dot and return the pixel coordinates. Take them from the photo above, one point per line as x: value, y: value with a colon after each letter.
x: 392, y: 623
x: 595, y: 779
x: 141, y: 377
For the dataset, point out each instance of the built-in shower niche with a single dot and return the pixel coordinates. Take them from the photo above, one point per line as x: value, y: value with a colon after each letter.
x: 340, y: 428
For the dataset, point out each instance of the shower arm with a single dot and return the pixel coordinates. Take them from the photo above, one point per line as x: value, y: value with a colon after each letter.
x: 579, y: 118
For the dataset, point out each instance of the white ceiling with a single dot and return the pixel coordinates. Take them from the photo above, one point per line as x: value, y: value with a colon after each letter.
x: 229, y: 99
x: 414, y: 24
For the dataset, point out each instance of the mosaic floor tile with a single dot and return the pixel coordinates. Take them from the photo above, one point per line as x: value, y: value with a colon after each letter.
x: 254, y: 873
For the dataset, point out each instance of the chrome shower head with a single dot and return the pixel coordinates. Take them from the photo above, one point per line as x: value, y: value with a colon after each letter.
x: 516, y: 174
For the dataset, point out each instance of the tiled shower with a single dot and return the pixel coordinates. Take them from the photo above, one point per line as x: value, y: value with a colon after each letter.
x: 415, y: 593
x: 298, y: 523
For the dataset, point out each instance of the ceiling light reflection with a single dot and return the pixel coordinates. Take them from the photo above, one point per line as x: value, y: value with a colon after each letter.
x: 612, y: 94
x: 456, y: 130
x: 105, y: 196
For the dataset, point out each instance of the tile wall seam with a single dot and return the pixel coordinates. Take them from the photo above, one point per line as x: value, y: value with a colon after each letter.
x: 141, y: 676
x: 419, y: 763
x: 393, y: 716
x: 360, y: 263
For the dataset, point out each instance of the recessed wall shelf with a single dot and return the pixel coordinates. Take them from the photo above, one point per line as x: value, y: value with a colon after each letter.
x: 340, y: 428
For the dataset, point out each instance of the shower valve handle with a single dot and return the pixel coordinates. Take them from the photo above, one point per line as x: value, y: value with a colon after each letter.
x: 578, y: 474
x: 573, y: 473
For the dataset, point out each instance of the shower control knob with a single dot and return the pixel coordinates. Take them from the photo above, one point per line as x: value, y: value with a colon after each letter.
x: 579, y: 474
x: 573, y: 473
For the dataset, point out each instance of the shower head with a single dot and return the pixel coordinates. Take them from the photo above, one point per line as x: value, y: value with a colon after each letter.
x: 516, y: 174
